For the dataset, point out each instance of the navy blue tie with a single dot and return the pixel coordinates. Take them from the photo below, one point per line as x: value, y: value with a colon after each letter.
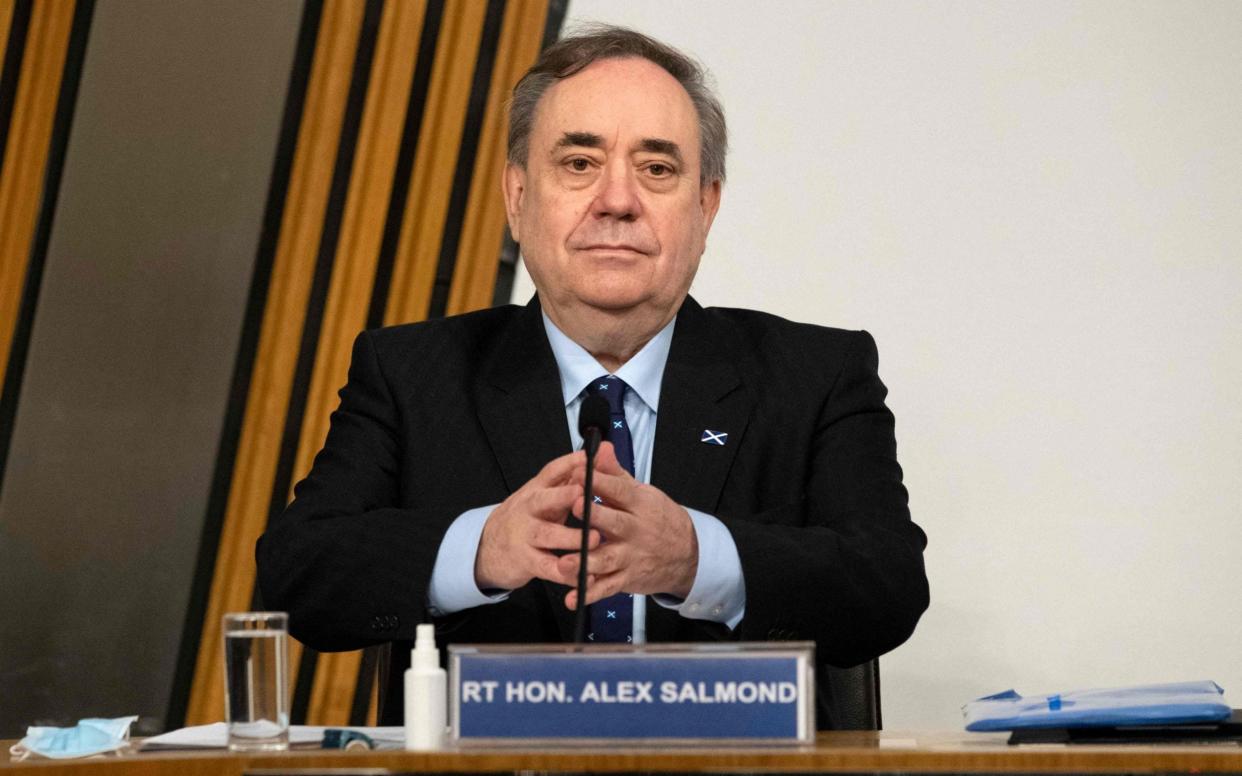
x: 612, y: 619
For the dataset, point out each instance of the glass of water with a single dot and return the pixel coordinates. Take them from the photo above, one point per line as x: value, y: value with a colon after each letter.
x: 256, y: 680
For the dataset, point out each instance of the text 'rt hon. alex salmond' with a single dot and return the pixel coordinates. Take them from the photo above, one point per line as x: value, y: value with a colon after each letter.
x: 750, y: 490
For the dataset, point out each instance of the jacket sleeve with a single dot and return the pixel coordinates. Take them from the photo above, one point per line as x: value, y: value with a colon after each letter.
x: 841, y: 565
x: 349, y: 566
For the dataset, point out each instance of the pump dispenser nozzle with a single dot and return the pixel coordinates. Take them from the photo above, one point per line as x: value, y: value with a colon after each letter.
x: 425, y: 654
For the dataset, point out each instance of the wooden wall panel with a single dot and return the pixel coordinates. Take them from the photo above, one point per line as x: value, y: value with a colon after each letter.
x: 422, y: 226
x: 474, y: 275
x: 6, y: 19
x: 325, y: 279
x: 26, y: 153
x: 353, y: 274
x: 279, y: 345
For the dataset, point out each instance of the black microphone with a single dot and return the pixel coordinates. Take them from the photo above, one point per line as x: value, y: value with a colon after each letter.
x: 593, y: 417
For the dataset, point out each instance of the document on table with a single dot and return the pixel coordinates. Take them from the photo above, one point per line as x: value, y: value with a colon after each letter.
x: 1154, y: 704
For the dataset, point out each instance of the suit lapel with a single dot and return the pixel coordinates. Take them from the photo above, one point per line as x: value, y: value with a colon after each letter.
x: 522, y: 413
x: 519, y: 401
x: 701, y: 392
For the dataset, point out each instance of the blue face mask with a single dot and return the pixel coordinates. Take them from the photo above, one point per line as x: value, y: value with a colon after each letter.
x: 88, y: 737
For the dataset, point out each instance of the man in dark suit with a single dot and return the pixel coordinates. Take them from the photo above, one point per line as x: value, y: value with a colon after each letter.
x: 752, y: 491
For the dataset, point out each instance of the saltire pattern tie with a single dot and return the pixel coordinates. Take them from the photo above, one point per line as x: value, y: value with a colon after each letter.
x: 612, y: 619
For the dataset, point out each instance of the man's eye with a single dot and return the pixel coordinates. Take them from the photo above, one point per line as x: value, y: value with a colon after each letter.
x: 579, y: 164
x: 659, y: 170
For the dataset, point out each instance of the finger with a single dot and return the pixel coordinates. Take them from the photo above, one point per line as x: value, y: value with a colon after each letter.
x: 606, y: 559
x: 616, y: 489
x: 613, y: 524
x: 552, y: 503
x: 606, y: 461
x: 551, y: 536
x: 544, y: 566
x: 604, y: 586
x: 559, y: 470
x: 605, y: 457
x: 571, y: 598
x: 600, y: 502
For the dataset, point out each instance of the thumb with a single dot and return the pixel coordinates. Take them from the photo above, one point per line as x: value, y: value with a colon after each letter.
x: 606, y: 461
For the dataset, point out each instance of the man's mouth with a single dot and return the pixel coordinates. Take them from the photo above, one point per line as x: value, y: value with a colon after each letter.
x: 612, y: 247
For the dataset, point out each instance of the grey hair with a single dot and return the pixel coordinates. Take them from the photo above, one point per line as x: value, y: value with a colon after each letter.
x: 594, y: 42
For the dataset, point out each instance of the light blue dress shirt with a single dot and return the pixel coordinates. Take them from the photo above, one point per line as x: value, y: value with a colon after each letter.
x: 718, y: 593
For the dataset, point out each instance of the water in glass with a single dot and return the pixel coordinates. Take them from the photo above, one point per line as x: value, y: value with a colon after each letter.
x: 256, y: 691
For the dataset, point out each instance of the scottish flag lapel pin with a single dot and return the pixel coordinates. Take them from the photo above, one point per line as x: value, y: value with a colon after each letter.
x: 714, y: 437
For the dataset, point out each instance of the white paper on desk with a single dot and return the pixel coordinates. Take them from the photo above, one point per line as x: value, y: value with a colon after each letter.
x: 216, y: 736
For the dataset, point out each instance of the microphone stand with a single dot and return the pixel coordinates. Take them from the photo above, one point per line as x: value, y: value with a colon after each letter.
x: 591, y: 445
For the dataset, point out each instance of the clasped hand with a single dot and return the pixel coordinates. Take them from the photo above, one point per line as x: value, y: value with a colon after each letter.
x: 641, y: 541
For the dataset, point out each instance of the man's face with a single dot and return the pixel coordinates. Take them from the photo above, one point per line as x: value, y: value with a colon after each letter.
x: 609, y: 210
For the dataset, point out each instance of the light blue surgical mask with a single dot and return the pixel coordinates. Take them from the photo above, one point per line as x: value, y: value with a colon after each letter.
x: 88, y: 737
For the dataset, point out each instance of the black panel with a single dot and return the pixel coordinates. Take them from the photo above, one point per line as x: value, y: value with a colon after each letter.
x: 367, y: 669
x: 61, y: 122
x: 149, y: 258
x: 243, y: 366
x: 555, y: 20
x: 303, y: 684
x: 503, y: 292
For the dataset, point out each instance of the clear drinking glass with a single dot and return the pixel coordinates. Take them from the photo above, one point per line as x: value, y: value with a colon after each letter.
x: 256, y: 680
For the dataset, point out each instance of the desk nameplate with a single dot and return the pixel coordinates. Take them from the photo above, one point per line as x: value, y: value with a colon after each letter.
x: 670, y: 693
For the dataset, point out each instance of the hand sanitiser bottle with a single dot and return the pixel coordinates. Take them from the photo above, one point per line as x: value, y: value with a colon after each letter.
x: 426, y: 693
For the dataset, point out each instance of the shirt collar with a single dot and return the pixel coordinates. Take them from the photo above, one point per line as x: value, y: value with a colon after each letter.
x: 643, y: 373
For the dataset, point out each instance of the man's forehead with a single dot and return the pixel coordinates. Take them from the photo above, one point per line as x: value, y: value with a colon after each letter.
x: 633, y: 96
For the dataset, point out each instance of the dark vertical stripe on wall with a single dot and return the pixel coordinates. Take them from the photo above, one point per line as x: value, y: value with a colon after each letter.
x: 10, y: 71
x: 456, y: 215
x: 414, y: 111
x: 333, y: 214
x: 243, y: 367
x: 555, y: 20
x: 362, y: 689
x: 303, y: 685
x: 61, y: 123
x: 503, y: 292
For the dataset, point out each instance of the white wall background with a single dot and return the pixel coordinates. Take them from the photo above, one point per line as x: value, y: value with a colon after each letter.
x: 1037, y: 210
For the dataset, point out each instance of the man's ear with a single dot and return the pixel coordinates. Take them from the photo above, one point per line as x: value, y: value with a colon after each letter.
x: 514, y: 185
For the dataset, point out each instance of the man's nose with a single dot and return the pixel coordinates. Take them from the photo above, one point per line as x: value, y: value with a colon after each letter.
x: 617, y: 196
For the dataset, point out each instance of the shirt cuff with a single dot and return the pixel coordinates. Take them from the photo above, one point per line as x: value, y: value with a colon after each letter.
x: 453, y: 587
x: 719, y: 591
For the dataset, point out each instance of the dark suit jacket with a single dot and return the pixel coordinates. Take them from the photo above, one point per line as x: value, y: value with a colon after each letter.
x: 443, y: 416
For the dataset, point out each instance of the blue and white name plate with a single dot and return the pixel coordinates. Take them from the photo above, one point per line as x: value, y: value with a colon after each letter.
x: 674, y: 693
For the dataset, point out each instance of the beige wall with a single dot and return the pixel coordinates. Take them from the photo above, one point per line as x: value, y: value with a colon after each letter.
x: 1035, y: 207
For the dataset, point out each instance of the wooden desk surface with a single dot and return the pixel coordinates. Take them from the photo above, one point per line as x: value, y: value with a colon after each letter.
x: 833, y: 752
